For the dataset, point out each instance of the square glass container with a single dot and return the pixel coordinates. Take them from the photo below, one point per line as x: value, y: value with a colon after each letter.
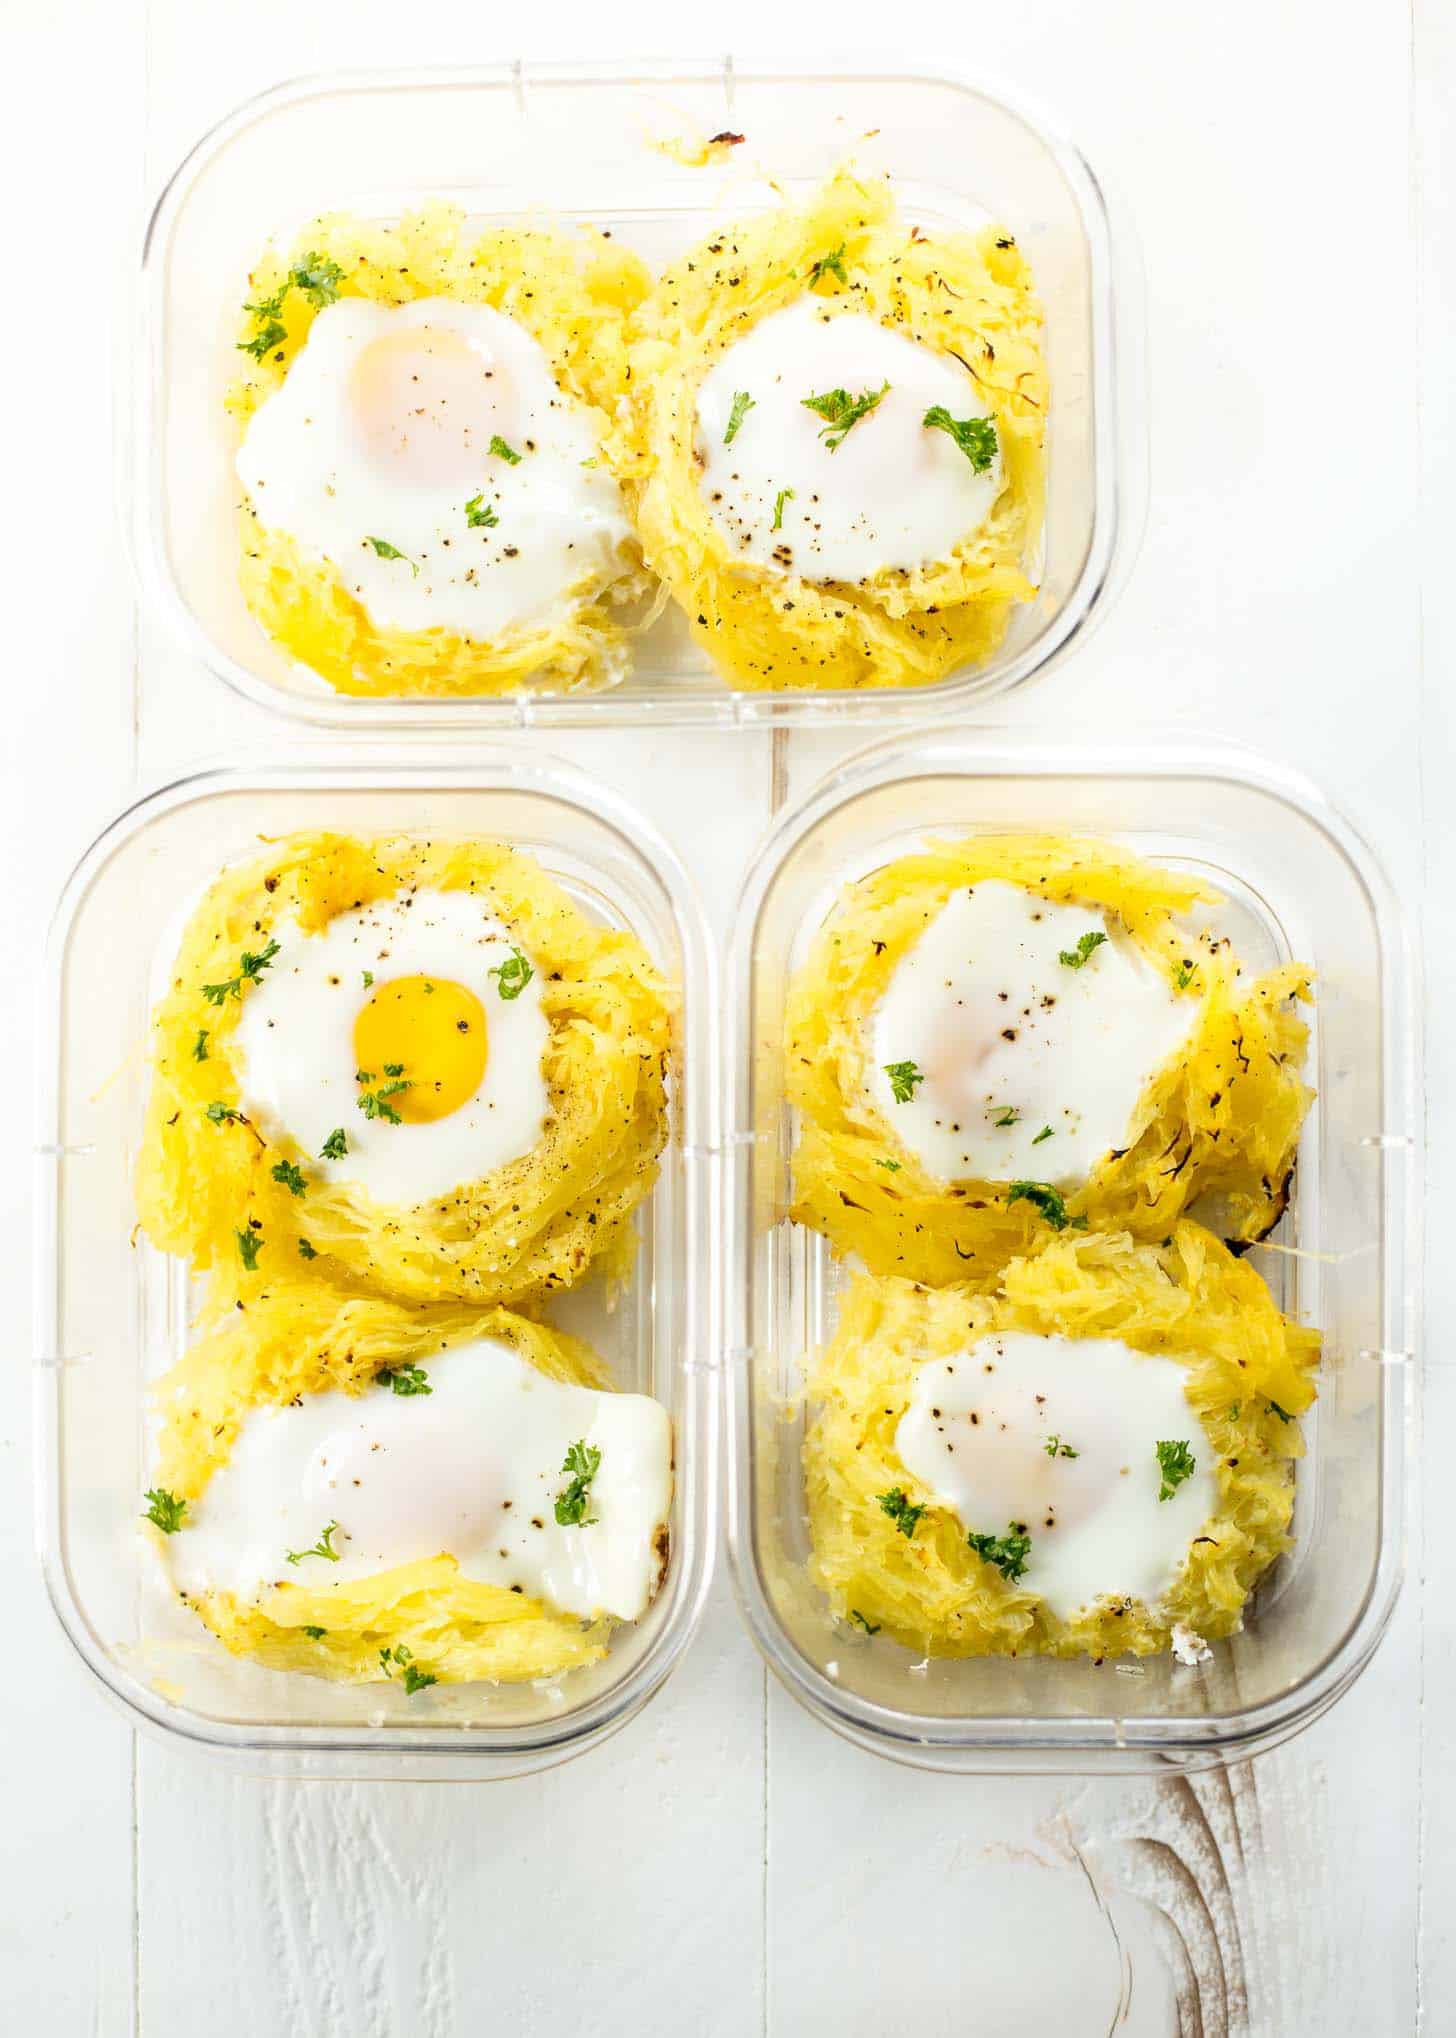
x: 1297, y: 883
x: 112, y: 1313
x: 514, y: 141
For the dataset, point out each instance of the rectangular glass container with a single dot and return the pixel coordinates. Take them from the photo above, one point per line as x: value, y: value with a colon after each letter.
x: 112, y: 1313
x: 1298, y: 883
x: 575, y: 143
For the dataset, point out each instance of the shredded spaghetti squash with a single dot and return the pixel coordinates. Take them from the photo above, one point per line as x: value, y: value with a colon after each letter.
x: 303, y: 1337
x: 961, y: 294
x: 1248, y: 1376
x: 571, y: 292
x: 207, y: 1175
x: 1220, y: 1120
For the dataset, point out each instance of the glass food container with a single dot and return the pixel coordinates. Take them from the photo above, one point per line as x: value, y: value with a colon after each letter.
x: 112, y: 1312
x: 576, y: 143
x: 1297, y: 883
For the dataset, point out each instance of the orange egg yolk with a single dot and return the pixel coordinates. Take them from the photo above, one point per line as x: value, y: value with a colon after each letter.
x: 433, y: 1032
x: 426, y: 404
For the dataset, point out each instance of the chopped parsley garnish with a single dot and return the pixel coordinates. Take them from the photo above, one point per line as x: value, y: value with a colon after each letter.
x: 165, y: 1511
x: 513, y: 975
x: 842, y: 412
x: 1176, y: 1463
x: 905, y: 1517
x: 249, y: 1245
x: 779, y: 500
x: 324, y: 1547
x: 415, y: 1679
x: 1043, y: 1197
x: 1007, y: 1115
x: 1185, y: 975
x: 502, y: 451
x: 743, y: 403
x: 315, y: 1634
x: 250, y: 971
x: 1086, y: 943
x: 1045, y: 1133
x: 368, y: 978
x: 387, y: 551
x: 408, y: 1380
x: 1008, y: 1553
x: 479, y: 514
x: 871, y: 1627
x: 375, y: 1103
x: 583, y: 1461
x: 1282, y: 1413
x: 271, y: 331
x: 976, y: 437
x: 318, y: 278
x: 890, y: 1167
x: 904, y: 1075
x: 830, y: 265
x: 225, y: 1114
x: 335, y: 1146
x: 306, y: 1251
x: 1055, y: 1448
x: 291, y: 1177
x: 199, y: 1046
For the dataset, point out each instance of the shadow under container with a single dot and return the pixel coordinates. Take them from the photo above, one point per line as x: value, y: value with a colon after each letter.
x: 1297, y: 883
x: 517, y: 143
x: 112, y: 1313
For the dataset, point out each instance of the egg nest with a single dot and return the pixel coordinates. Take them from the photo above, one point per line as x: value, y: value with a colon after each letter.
x: 534, y: 1225
x: 306, y: 1337
x: 571, y: 292
x: 1190, y: 1299
x: 969, y: 295
x: 1219, y: 1121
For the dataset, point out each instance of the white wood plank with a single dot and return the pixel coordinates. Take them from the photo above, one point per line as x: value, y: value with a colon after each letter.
x: 70, y: 159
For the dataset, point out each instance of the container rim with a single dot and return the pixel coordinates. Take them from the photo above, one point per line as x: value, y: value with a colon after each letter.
x: 1115, y: 350
x: 421, y: 1751
x: 1091, y: 1742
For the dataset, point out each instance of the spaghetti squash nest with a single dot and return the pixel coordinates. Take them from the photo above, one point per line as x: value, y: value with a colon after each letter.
x: 215, y: 1186
x: 1247, y: 1377
x: 300, y: 1338
x: 571, y: 292
x: 967, y: 295
x: 1219, y: 1122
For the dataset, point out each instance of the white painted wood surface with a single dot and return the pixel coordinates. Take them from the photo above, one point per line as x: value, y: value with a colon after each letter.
x: 724, y: 1866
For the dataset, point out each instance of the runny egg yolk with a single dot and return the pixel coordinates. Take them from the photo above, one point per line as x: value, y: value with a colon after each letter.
x: 433, y: 1032
x: 426, y: 404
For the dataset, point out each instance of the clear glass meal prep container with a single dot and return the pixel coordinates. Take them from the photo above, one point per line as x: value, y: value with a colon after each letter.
x: 1297, y: 882
x: 112, y: 1312
x: 573, y: 142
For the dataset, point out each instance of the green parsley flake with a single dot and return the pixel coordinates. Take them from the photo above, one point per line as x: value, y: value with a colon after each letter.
x: 904, y: 1075
x: 166, y: 1510
x: 199, y: 1046
x: 335, y: 1146
x: 1007, y: 1115
x: 387, y: 551
x: 1176, y: 1463
x: 513, y: 976
x: 905, y: 1517
x: 1043, y: 1197
x: 1055, y: 1448
x: 249, y: 1245
x: 291, y: 1177
x: 778, y: 516
x: 1086, y: 943
x: 1184, y: 976
x: 250, y: 971
x: 225, y: 1114
x: 375, y: 1103
x: 890, y: 1167
x: 743, y: 403
x: 1008, y: 1553
x: 324, y: 1547
x: 583, y: 1463
x: 315, y: 1634
x: 306, y: 1251
x: 1045, y: 1133
x: 829, y: 265
x: 842, y: 412
x: 871, y: 1627
x: 479, y: 514
x: 502, y: 451
x: 408, y: 1380
x: 976, y: 437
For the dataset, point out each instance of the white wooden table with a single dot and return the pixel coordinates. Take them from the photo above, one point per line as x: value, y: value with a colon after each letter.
x: 724, y: 1866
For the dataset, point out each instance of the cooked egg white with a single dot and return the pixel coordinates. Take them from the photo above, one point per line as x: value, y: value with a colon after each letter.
x: 427, y: 451
x: 1029, y: 1066
x: 1059, y: 1437
x: 892, y: 492
x: 472, y: 1470
x: 417, y: 1008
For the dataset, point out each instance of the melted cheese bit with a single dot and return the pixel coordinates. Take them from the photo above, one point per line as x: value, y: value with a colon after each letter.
x: 382, y: 452
x: 991, y: 1434
x: 893, y: 493
x: 304, y: 1025
x: 1009, y: 1039
x: 471, y: 1470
